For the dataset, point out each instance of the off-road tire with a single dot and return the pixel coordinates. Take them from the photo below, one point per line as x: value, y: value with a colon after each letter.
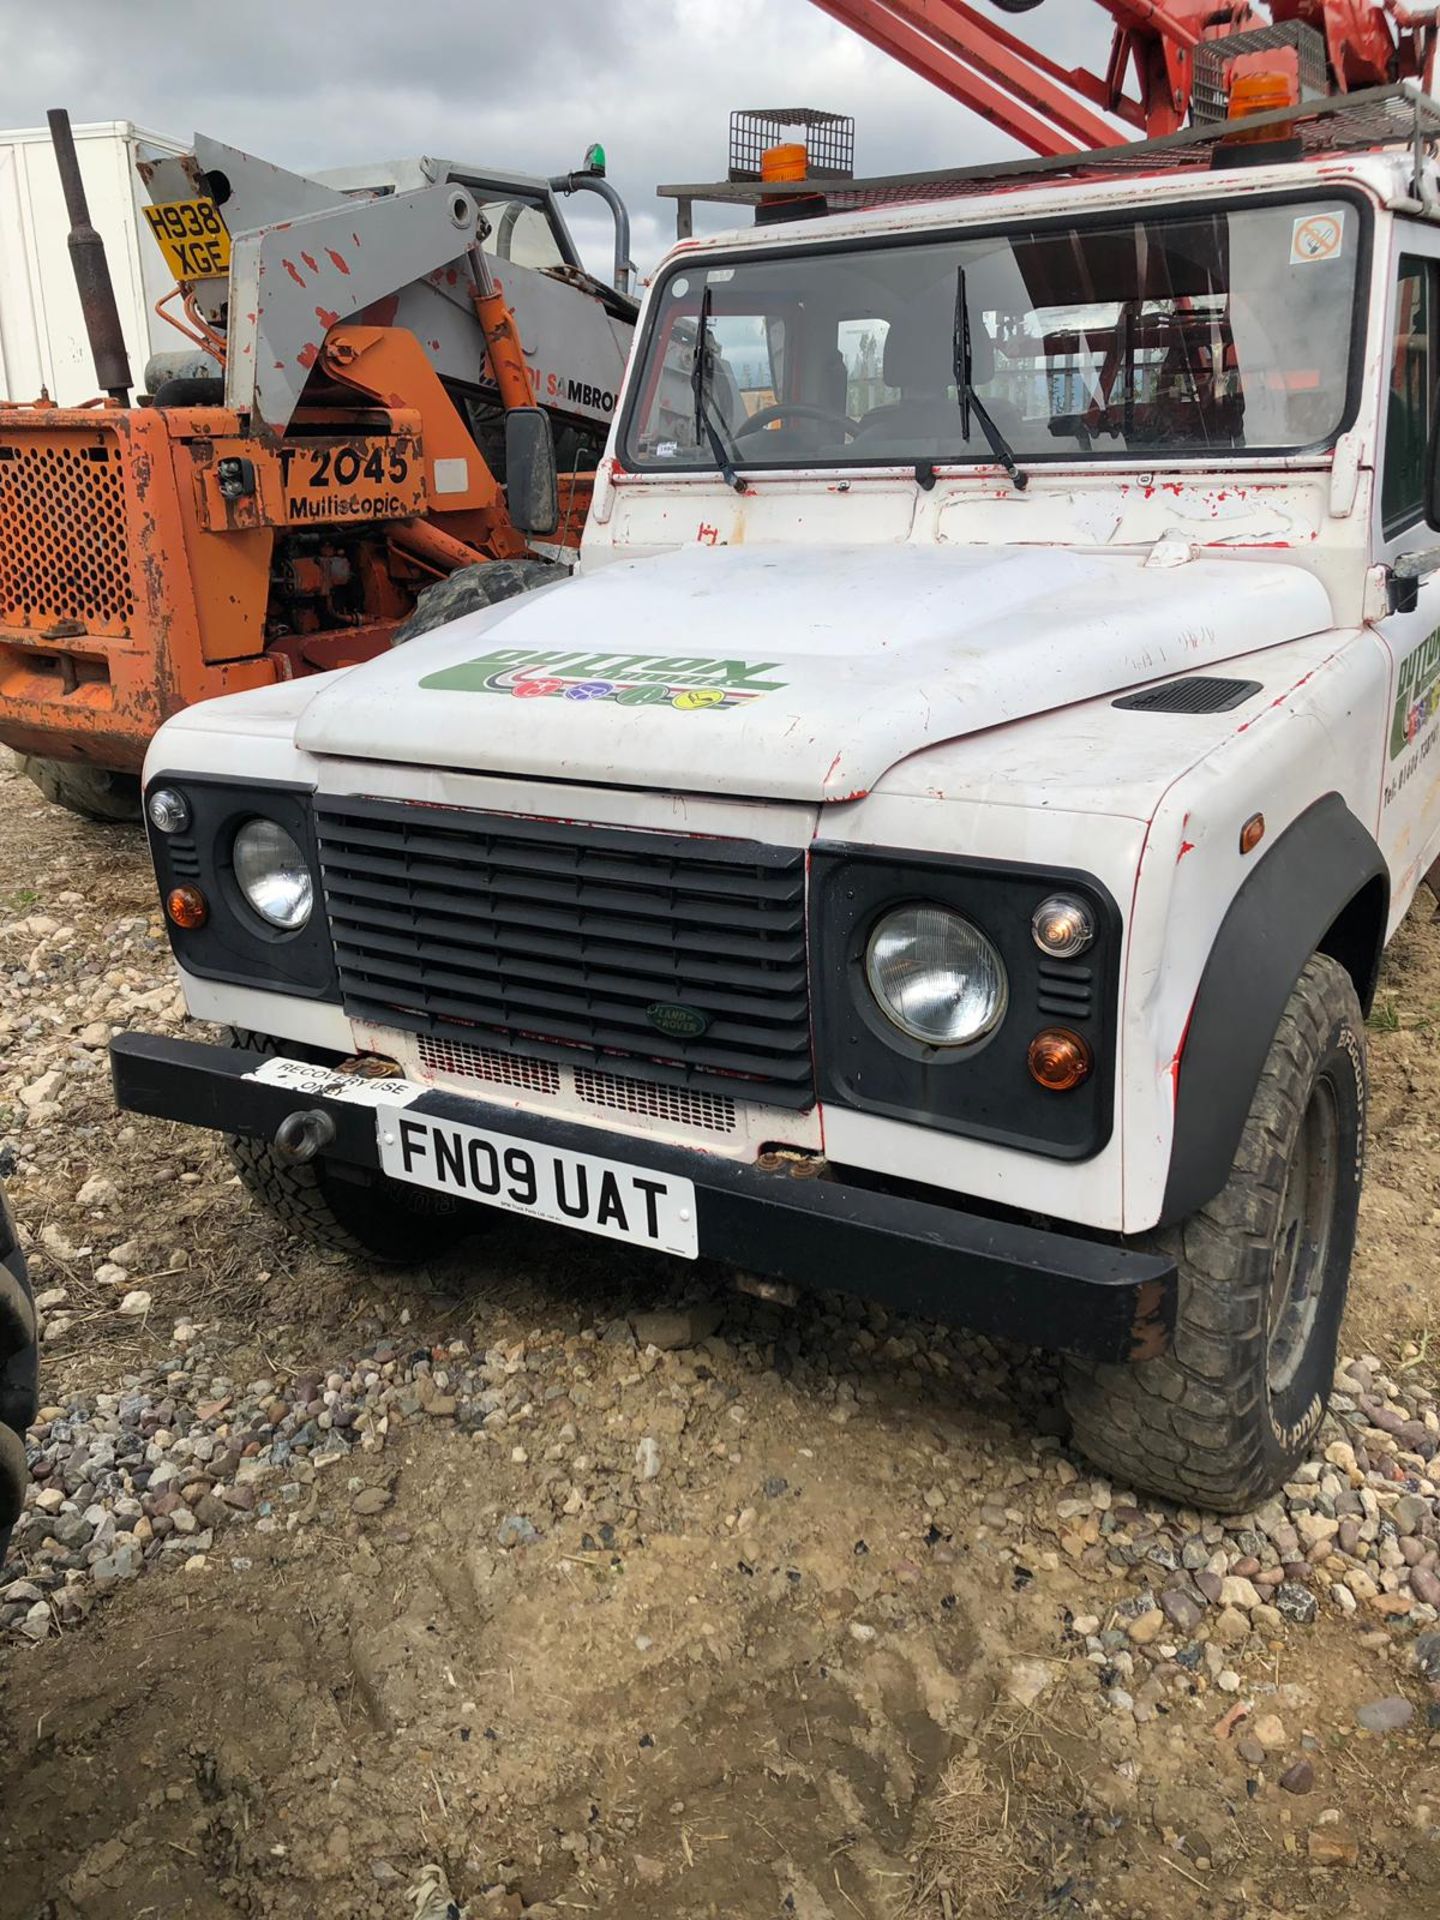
x: 19, y: 1391
x: 14, y: 1475
x: 485, y: 585
x: 93, y: 792
x: 1224, y: 1418
x: 350, y: 1209
x: 19, y: 1347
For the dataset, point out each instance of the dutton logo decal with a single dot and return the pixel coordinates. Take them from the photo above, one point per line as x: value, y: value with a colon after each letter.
x: 628, y: 679
x: 1417, y: 694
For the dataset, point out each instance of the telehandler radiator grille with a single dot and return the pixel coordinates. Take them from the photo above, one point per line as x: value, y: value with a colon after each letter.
x: 64, y: 559
x: 667, y: 958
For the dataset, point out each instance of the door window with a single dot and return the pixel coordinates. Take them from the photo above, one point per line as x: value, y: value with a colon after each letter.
x: 1410, y: 397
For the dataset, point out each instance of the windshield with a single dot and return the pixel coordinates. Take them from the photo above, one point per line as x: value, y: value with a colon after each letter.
x: 1180, y: 333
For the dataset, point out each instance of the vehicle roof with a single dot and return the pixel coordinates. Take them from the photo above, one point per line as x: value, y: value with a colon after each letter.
x: 1367, y: 141
x: 1384, y: 177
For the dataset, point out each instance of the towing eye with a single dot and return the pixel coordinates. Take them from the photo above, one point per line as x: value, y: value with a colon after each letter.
x: 300, y: 1136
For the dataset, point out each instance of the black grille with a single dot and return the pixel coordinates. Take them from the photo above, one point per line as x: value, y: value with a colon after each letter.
x: 1206, y: 693
x: 569, y: 942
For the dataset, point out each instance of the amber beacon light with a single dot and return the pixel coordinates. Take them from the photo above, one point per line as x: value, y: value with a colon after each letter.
x: 1254, y: 93
x: 788, y: 161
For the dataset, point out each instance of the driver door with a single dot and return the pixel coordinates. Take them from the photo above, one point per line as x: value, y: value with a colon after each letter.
x: 1409, y: 822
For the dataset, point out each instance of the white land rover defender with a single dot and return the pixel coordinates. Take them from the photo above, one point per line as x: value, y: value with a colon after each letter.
x: 941, y: 842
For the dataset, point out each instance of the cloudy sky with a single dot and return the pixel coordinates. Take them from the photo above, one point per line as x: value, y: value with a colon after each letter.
x: 315, y: 83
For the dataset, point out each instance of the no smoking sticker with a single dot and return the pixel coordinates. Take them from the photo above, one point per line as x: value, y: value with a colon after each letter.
x: 1316, y: 237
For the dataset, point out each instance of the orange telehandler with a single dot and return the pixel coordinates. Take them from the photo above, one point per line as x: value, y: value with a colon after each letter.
x: 391, y: 375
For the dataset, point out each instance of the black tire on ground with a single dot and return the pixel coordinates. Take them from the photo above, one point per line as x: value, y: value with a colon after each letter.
x: 17, y: 1314
x: 351, y: 1209
x: 1226, y: 1416
x: 14, y: 1477
x: 19, y: 1391
x: 20, y: 1388
x: 93, y: 792
x: 485, y: 585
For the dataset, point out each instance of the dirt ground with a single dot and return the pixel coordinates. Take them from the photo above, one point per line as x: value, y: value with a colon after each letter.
x: 822, y: 1663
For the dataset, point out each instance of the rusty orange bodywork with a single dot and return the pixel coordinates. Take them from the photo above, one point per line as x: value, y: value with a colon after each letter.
x: 111, y: 607
x: 140, y: 573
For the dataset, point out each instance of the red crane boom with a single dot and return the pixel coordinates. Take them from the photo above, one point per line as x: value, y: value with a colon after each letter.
x: 1149, y: 79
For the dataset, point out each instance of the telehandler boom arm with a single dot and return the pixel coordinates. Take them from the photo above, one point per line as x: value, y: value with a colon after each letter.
x: 1158, y: 55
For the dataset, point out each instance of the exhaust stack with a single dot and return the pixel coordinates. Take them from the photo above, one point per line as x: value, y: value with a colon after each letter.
x: 91, y: 269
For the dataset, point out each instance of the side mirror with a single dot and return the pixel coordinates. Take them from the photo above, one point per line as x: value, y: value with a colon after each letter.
x: 531, y: 487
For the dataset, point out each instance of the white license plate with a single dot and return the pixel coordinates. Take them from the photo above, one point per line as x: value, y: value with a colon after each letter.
x: 634, y: 1204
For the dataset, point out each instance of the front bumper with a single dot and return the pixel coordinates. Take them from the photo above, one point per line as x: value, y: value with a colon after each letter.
x: 1000, y: 1277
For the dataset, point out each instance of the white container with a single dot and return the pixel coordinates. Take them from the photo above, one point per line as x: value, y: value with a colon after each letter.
x: 42, y: 336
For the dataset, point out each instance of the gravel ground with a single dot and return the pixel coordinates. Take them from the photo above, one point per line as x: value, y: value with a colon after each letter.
x: 590, y: 1585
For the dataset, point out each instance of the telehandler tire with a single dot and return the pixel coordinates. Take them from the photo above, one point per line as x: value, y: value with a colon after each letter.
x: 1225, y: 1417
x: 353, y: 1210
x: 485, y: 585
x: 93, y: 792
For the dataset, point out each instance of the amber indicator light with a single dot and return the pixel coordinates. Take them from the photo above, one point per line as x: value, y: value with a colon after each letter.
x: 1059, y: 1059
x: 187, y: 907
x: 1252, y: 833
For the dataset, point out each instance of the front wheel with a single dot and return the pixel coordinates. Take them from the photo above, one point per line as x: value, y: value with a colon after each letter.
x: 1225, y: 1417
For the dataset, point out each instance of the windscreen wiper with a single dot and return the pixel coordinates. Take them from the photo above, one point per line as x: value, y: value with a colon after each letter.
x: 970, y: 401
x: 704, y: 406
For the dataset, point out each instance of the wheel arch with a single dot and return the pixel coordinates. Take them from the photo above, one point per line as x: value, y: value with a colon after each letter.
x: 1356, y: 936
x: 1323, y: 887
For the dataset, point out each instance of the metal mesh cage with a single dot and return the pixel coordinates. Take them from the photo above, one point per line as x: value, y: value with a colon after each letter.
x: 829, y: 140
x: 1213, y: 59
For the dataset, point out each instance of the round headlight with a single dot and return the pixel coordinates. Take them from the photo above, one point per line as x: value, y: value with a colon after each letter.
x: 1063, y: 926
x: 169, y: 811
x: 273, y: 875
x: 936, y: 977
